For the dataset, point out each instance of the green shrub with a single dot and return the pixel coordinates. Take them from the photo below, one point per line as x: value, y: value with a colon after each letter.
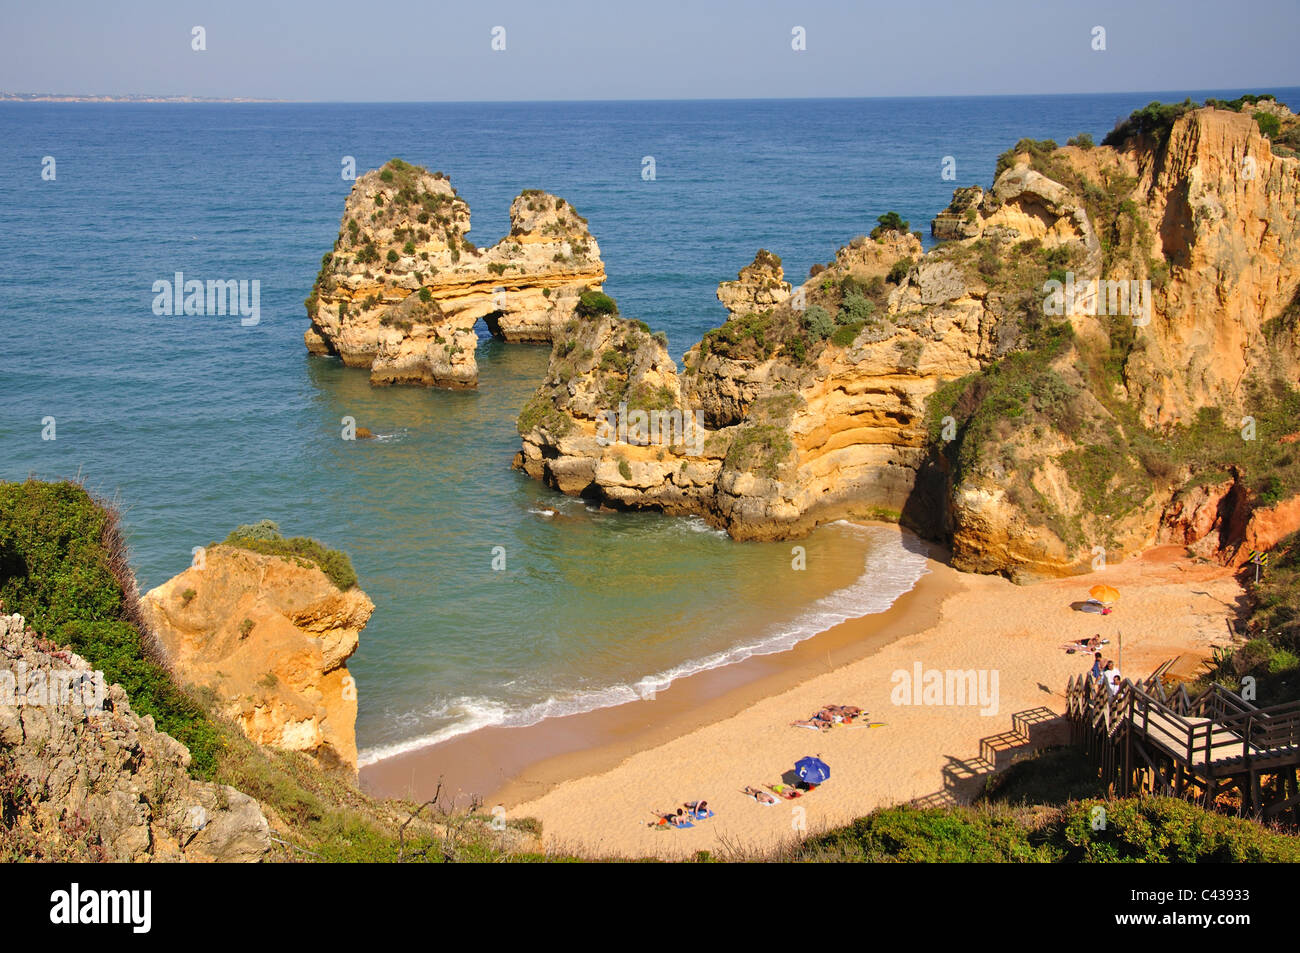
x: 899, y: 270
x: 392, y: 256
x: 854, y: 308
x: 1249, y: 99
x: 1154, y: 121
x: 541, y: 412
x: 262, y: 530
x: 889, y: 222
x: 592, y: 304
x: 63, y: 566
x: 818, y: 322
x: 333, y: 563
x: 759, y: 448
x: 1145, y: 829
x: 1164, y: 830
x: 1034, y: 148
x: 614, y: 360
x: 931, y: 835
x: 1268, y: 124
x: 846, y: 334
x: 1083, y: 140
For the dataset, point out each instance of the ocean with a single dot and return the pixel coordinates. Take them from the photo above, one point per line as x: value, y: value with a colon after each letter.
x: 198, y: 424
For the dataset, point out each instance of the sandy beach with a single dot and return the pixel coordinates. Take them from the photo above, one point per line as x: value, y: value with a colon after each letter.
x: 1169, y: 607
x: 593, y: 780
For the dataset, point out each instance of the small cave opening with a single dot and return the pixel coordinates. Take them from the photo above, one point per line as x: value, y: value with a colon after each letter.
x: 493, y: 323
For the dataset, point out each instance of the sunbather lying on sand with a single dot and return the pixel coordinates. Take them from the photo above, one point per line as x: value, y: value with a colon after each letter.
x: 670, y: 819
x: 829, y: 716
x: 813, y: 722
x: 698, y: 808
x: 759, y: 795
x: 785, y: 791
x: 1092, y: 644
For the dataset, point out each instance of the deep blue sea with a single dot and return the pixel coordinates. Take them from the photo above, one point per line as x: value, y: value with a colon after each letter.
x: 198, y: 424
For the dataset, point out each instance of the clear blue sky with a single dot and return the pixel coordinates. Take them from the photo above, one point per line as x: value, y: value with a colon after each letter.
x: 399, y: 50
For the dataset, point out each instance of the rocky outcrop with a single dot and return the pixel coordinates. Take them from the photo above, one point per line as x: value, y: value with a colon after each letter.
x: 786, y: 441
x: 1222, y: 521
x: 960, y: 219
x: 83, y: 777
x: 761, y: 285
x: 994, y: 392
x: 269, y: 637
x: 403, y: 288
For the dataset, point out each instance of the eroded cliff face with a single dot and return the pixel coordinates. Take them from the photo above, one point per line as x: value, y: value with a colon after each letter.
x: 1000, y: 392
x: 402, y: 289
x: 269, y: 636
x: 1222, y: 212
x: 86, y: 780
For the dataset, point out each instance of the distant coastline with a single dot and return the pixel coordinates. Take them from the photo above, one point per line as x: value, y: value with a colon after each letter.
x: 132, y: 98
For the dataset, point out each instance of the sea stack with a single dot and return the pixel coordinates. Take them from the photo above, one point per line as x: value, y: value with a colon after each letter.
x: 403, y: 287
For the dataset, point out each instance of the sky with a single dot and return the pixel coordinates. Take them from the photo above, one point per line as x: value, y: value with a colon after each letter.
x: 388, y: 51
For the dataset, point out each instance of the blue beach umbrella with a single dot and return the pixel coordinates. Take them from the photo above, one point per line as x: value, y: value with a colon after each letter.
x: 812, y: 770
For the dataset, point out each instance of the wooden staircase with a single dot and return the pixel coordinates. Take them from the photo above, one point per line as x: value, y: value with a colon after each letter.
x: 1149, y: 738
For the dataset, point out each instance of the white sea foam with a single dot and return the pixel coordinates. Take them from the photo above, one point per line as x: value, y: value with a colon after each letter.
x: 890, y: 570
x: 697, y: 524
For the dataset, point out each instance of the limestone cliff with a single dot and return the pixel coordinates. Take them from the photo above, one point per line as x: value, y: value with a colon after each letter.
x: 87, y: 779
x: 403, y: 288
x: 269, y: 637
x: 1035, y: 391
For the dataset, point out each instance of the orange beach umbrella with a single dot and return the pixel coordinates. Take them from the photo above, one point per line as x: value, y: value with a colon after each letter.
x: 1106, y: 595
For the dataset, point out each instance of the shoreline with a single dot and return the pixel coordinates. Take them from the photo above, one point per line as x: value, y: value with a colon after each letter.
x: 505, y: 764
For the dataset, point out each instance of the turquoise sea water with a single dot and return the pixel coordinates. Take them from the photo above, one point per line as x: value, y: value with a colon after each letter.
x: 197, y: 424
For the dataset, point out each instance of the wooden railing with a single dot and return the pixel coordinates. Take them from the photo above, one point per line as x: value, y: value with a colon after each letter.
x: 1215, y: 725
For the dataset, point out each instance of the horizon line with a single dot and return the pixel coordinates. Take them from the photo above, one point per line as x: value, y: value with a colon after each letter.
x: 186, y: 99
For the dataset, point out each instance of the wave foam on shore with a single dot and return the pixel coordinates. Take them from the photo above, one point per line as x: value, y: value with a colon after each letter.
x: 890, y: 569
